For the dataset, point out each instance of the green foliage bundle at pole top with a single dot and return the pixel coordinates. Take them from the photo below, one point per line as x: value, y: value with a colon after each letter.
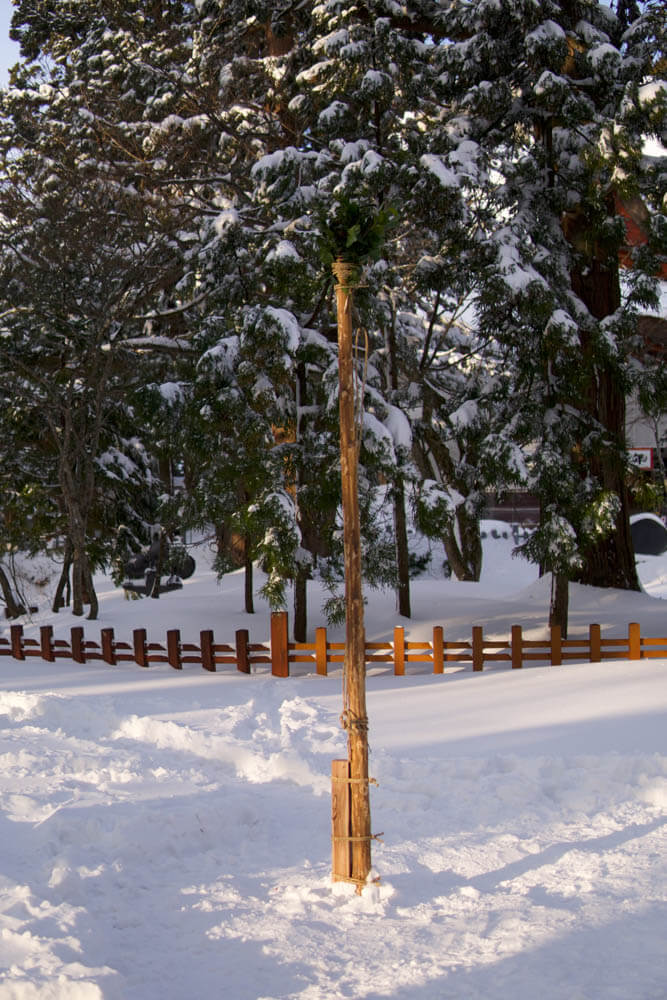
x: 354, y: 232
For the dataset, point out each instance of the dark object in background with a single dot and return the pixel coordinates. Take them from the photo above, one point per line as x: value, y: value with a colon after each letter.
x: 649, y: 535
x: 178, y: 565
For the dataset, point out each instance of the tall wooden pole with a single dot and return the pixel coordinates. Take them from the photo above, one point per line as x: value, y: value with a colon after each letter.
x: 355, y: 717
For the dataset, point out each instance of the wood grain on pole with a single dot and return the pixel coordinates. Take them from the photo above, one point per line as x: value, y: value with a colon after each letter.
x: 355, y: 639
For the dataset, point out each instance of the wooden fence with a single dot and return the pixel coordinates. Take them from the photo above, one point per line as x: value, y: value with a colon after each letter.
x: 279, y: 654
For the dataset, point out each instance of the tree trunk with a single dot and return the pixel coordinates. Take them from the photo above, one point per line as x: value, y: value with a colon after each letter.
x: 154, y: 590
x: 14, y: 609
x: 248, y: 578
x: 611, y: 561
x: 560, y: 599
x: 92, y: 595
x: 231, y: 546
x: 77, y: 583
x: 465, y: 558
x: 400, y: 520
x: 304, y: 520
x: 402, y: 550
x: 60, y: 599
x: 300, y: 604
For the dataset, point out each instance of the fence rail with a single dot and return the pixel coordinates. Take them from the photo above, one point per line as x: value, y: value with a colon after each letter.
x: 435, y: 654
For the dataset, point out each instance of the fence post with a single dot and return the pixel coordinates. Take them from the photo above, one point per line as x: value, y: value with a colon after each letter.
x: 517, y: 647
x: 321, y: 651
x: 78, y: 650
x: 46, y: 643
x: 174, y: 648
x: 139, y: 643
x: 477, y: 648
x: 242, y: 653
x: 341, y: 845
x: 16, y: 636
x: 634, y: 641
x: 207, y: 651
x: 399, y: 651
x: 108, y: 651
x: 279, y: 644
x: 556, y: 646
x: 595, y: 644
x: 438, y: 650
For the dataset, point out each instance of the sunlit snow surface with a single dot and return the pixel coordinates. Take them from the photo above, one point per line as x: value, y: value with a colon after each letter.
x: 167, y: 835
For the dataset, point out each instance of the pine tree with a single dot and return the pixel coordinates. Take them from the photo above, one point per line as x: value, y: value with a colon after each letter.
x: 87, y: 248
x: 541, y: 97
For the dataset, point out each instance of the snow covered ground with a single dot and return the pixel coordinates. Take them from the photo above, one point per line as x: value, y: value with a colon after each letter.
x: 167, y: 835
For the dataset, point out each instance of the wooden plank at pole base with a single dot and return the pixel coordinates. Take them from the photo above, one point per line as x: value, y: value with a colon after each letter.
x: 341, y: 846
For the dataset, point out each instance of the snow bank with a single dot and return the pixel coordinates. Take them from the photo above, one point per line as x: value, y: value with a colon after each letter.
x: 169, y: 835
